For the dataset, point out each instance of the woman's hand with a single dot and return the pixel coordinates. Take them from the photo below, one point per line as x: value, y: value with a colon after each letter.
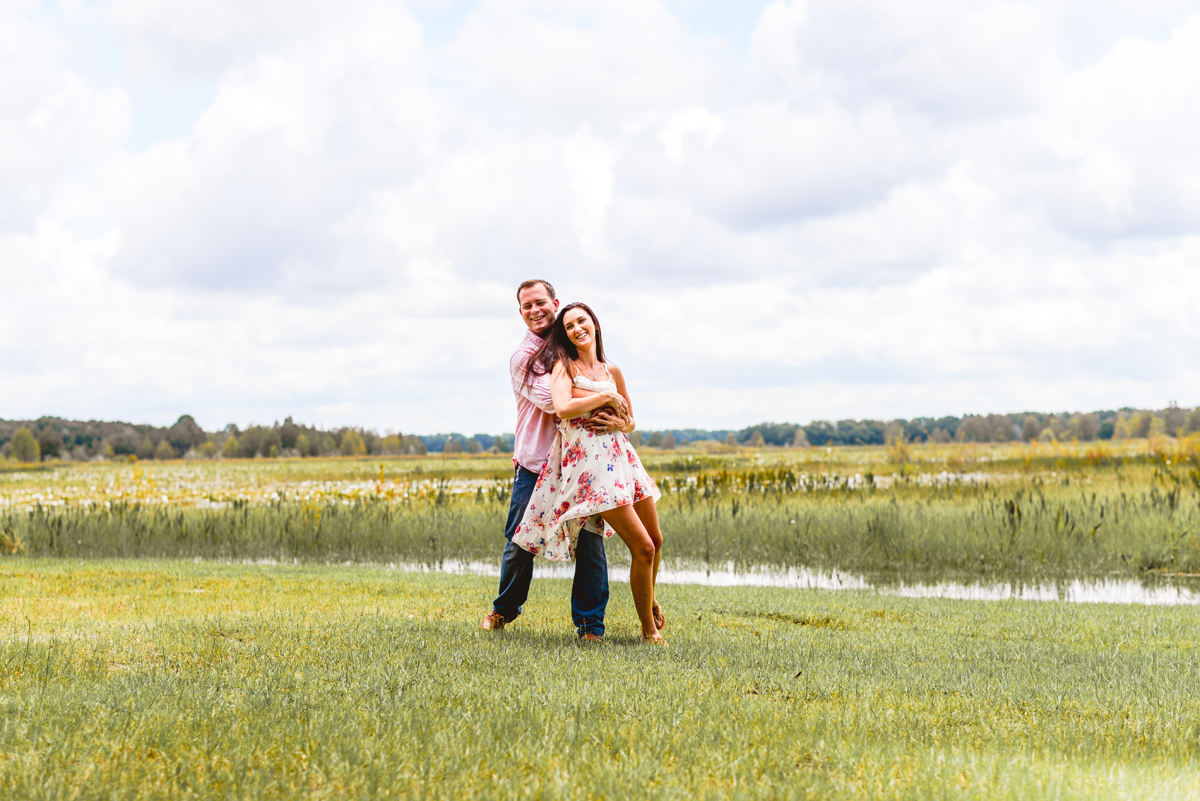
x: 615, y: 400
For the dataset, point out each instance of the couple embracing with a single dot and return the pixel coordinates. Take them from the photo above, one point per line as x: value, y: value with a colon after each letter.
x: 577, y: 478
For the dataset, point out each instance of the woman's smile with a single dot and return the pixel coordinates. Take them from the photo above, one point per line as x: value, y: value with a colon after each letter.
x: 578, y: 326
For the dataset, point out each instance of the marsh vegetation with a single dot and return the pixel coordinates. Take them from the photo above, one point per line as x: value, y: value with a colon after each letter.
x: 1010, y: 512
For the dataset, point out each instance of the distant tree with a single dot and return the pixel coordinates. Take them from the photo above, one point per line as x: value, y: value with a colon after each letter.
x: 636, y: 439
x: 1140, y: 424
x: 1055, y: 423
x: 1193, y: 421
x: 1158, y: 426
x: 1174, y: 419
x: 51, y: 443
x: 352, y: 443
x: 893, y: 432
x: 289, y: 433
x: 391, y: 445
x: 472, y: 446
x: 164, y: 451
x: 230, y: 449
x: 303, y: 446
x: 185, y: 434
x: 270, y: 444
x: 208, y: 450
x: 784, y: 433
x: 731, y: 438
x: 756, y: 440
x: 328, y: 445
x: 1030, y: 428
x: 250, y: 442
x: 1084, y: 427
x: 655, y: 440
x: 668, y: 441
x: 819, y: 432
x: 939, y: 435
x: 985, y: 428
x: 24, y: 447
x: 146, y: 449
x: 800, y: 440
x: 453, y: 445
x: 105, y: 449
x: 1047, y: 435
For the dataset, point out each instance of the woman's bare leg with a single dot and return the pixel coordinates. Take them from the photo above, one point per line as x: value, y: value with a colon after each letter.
x: 629, y: 528
x: 647, y: 513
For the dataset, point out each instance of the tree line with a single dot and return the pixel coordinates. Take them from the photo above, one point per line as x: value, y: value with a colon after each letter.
x: 57, y: 438
x: 1124, y: 423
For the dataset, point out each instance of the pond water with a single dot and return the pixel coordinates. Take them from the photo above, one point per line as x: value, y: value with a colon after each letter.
x: 1167, y: 591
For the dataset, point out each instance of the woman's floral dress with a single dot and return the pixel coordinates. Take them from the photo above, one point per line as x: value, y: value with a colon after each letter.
x: 584, y: 474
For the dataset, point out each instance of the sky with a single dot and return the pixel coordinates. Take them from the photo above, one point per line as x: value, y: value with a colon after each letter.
x: 780, y: 211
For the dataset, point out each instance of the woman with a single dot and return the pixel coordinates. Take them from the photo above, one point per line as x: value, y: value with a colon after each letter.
x: 589, y: 475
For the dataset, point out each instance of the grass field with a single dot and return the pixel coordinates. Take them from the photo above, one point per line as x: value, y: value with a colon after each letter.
x: 336, y: 677
x: 174, y: 679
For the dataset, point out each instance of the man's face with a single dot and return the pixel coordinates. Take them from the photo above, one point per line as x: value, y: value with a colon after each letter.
x: 537, y: 309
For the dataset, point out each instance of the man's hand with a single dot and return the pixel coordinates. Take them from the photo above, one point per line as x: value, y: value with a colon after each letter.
x: 604, y: 421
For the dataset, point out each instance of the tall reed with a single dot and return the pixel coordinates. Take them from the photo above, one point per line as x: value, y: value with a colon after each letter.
x: 1033, y: 526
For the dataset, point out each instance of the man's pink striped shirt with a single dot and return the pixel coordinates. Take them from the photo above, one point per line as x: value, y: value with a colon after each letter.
x: 536, y: 423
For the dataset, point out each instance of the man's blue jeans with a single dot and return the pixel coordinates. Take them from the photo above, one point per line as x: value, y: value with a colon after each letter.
x: 589, y: 592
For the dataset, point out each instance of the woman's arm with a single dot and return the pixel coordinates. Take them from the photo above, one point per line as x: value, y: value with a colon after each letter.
x: 604, y: 420
x: 567, y: 407
x: 619, y: 380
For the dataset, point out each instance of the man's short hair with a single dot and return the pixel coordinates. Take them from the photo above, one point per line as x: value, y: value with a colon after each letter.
x: 526, y: 284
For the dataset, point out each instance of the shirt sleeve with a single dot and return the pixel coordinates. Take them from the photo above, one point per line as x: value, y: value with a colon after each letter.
x: 537, y: 393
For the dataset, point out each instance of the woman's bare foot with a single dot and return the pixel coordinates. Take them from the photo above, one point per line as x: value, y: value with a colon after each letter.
x: 660, y: 620
x: 653, y: 639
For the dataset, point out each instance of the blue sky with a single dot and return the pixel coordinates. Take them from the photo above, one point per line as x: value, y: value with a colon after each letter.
x: 245, y: 209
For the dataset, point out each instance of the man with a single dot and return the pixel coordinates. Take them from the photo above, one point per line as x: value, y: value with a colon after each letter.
x: 536, y: 429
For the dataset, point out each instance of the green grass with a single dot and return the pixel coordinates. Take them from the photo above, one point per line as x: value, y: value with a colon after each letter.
x: 132, y: 679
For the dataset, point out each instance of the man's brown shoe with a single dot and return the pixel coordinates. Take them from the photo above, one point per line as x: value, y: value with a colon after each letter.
x: 589, y: 637
x: 492, y: 621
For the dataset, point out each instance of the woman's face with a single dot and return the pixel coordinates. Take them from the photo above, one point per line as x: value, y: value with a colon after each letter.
x: 580, y: 329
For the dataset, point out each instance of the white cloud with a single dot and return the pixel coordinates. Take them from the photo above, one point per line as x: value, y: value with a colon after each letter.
x: 53, y: 124
x: 952, y: 61
x: 562, y: 62
x: 296, y: 139
x: 884, y: 209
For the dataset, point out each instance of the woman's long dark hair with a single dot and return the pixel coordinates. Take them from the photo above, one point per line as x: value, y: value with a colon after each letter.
x: 557, y: 346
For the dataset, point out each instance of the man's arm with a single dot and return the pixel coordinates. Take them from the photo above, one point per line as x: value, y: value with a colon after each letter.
x: 537, y: 393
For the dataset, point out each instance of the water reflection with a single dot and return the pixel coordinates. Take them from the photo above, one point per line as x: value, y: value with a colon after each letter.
x: 1107, y: 591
